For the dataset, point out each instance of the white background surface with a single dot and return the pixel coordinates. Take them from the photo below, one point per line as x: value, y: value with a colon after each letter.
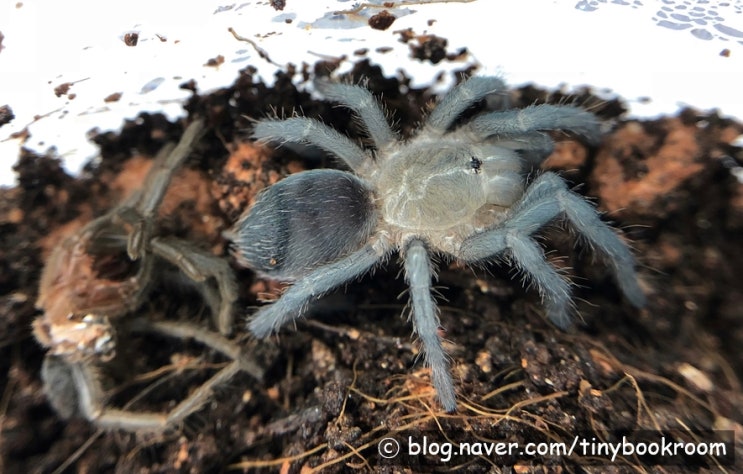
x: 667, y: 51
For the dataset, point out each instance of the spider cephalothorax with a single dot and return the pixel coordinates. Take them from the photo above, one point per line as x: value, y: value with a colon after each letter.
x: 454, y: 190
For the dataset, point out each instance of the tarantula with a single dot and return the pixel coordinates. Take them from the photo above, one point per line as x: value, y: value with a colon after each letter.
x: 84, y: 292
x: 456, y: 190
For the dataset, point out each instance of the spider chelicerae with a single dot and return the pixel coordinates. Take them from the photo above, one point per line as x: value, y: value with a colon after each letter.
x: 458, y: 190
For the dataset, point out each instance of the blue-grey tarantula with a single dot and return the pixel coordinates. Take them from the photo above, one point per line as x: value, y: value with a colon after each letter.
x: 457, y: 190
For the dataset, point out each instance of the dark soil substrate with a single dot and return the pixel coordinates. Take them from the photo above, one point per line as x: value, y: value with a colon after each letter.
x: 349, y: 375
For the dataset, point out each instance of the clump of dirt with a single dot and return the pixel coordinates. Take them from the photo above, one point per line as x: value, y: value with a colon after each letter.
x: 429, y: 47
x: 6, y: 114
x: 131, y: 39
x: 350, y: 376
x: 382, y: 20
x: 278, y: 4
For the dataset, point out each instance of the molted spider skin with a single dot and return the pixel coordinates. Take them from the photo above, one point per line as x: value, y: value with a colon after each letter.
x: 80, y: 302
x: 57, y: 373
x: 453, y: 191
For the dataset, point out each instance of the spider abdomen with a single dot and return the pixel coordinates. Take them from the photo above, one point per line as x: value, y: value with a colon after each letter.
x: 304, y: 221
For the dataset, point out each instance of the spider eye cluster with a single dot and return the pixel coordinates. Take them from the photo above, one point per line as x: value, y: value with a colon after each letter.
x: 476, y: 164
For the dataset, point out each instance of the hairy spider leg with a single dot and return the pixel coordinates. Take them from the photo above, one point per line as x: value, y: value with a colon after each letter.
x: 310, y: 131
x: 553, y: 289
x: 460, y: 99
x: 510, y: 123
x: 90, y: 398
x: 215, y: 341
x: 85, y: 394
x: 365, y: 105
x: 199, y: 265
x: 426, y: 321
x: 532, y: 147
x: 294, y: 301
x: 547, y: 198
x: 146, y: 202
x: 586, y: 221
x: 140, y: 209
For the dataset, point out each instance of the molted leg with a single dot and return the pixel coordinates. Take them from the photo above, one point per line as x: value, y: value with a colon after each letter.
x: 460, y: 99
x: 217, y: 342
x: 511, y: 123
x: 92, y: 407
x: 146, y: 202
x: 74, y: 388
x: 426, y: 321
x: 200, y: 265
x: 294, y: 301
x: 309, y: 131
x: 361, y: 101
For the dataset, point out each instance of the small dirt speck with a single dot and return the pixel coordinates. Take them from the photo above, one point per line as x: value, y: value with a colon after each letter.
x: 382, y: 20
x: 6, y: 114
x: 189, y: 85
x: 215, y: 62
x: 429, y: 48
x: 114, y: 97
x: 131, y: 39
x: 406, y: 35
x: 62, y: 89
